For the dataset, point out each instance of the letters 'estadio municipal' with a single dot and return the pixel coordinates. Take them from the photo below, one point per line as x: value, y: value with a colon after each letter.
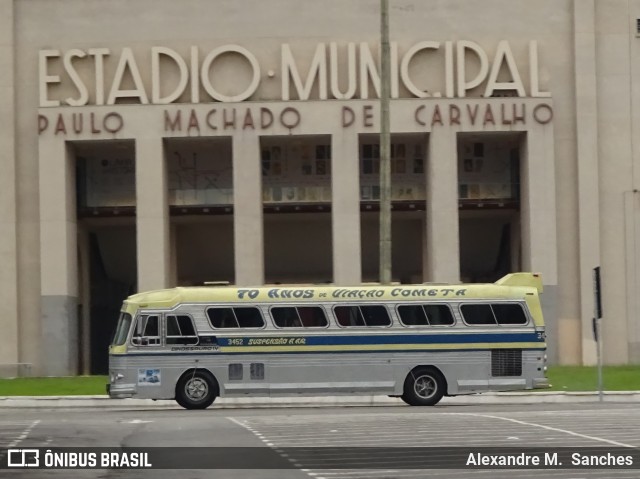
x: 162, y: 75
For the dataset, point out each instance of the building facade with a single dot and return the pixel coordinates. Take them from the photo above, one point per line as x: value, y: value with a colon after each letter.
x: 149, y: 144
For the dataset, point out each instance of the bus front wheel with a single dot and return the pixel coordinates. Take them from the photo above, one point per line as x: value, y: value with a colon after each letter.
x: 424, y: 387
x: 196, y: 390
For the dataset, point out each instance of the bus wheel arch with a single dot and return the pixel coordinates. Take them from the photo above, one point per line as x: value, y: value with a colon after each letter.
x: 197, y: 388
x: 424, y: 386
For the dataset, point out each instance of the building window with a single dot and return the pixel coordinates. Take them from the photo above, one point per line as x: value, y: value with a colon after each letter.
x: 370, y: 159
x: 272, y: 161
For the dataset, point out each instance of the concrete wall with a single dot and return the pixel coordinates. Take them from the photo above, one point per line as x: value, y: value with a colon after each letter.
x: 9, y: 352
x: 618, y: 173
x: 580, y: 206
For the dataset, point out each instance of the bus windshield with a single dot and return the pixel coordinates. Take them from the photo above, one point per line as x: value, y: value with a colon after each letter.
x: 122, y: 330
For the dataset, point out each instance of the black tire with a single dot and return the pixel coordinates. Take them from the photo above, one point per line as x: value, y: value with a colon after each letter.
x: 196, y: 390
x: 424, y: 386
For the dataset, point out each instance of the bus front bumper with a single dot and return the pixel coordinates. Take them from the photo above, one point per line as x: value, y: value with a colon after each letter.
x: 121, y: 391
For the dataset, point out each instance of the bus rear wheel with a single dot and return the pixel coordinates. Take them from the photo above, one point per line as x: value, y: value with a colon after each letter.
x: 423, y: 387
x: 196, y: 390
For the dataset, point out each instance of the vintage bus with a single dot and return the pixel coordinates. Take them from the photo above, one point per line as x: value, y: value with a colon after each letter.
x: 417, y: 342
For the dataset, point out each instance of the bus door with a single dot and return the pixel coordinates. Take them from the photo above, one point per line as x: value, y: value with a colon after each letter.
x: 147, y: 336
x: 147, y: 331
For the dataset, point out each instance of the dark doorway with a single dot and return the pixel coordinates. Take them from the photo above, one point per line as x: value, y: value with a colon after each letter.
x: 112, y: 276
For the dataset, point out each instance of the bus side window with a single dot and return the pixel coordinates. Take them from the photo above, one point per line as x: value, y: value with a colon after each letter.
x: 425, y: 315
x: 249, y: 317
x: 285, y: 317
x: 438, y: 314
x: 299, y: 317
x: 180, y: 330
x: 172, y: 327
x: 376, y: 315
x: 348, y: 316
x: 147, y: 332
x: 412, y: 315
x: 241, y: 317
x: 478, y: 314
x: 222, y: 318
x: 312, y: 317
x: 362, y: 316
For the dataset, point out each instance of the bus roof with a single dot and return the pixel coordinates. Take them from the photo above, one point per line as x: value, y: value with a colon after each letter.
x: 512, y: 286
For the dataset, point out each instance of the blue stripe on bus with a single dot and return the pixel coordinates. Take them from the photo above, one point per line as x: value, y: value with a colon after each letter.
x: 395, y: 339
x: 369, y: 351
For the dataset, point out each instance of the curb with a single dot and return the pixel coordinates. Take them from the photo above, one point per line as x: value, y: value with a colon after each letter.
x: 104, y: 401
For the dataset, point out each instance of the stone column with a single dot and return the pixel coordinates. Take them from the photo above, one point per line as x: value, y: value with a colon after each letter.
x: 58, y: 258
x: 584, y: 351
x: 248, y: 224
x: 9, y: 355
x: 345, y: 208
x: 538, y: 219
x: 618, y: 105
x: 442, y: 225
x: 152, y: 215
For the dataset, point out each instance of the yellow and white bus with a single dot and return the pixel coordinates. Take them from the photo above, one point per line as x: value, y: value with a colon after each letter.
x: 417, y: 342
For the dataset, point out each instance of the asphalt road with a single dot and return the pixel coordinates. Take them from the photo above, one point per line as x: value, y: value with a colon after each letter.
x: 275, y: 431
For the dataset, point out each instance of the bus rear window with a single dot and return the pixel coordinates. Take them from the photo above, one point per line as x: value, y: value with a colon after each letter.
x: 122, y: 330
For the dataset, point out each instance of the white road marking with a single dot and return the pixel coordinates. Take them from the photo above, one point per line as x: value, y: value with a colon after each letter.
x: 24, y: 434
x: 299, y: 431
x: 239, y: 423
x: 273, y: 446
x: 549, y: 428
